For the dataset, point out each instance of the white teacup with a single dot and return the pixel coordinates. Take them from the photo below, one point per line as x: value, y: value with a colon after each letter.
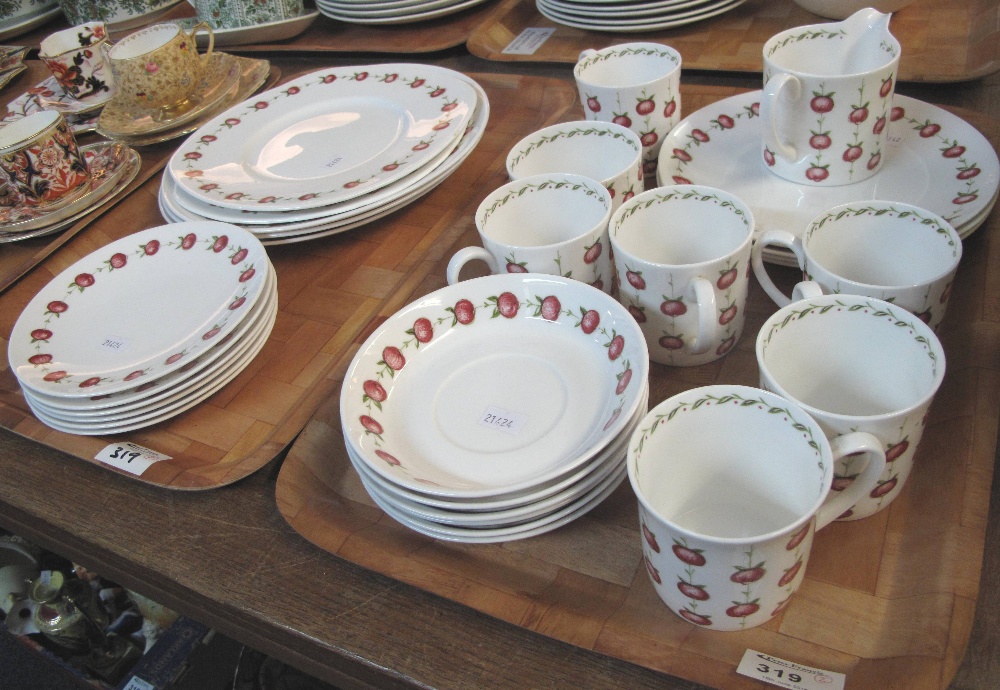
x: 827, y: 99
x: 682, y: 259
x: 554, y: 223
x: 856, y: 364
x: 895, y: 252
x: 636, y: 85
x: 604, y: 151
x: 732, y: 486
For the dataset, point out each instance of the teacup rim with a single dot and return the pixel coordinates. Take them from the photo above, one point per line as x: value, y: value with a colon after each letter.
x: 42, y: 55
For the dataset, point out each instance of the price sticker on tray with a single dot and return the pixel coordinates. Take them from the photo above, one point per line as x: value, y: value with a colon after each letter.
x: 788, y: 674
x: 130, y: 457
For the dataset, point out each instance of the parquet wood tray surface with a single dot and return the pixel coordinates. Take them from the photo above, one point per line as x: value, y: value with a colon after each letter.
x: 329, y: 290
x: 942, y: 40
x: 888, y: 600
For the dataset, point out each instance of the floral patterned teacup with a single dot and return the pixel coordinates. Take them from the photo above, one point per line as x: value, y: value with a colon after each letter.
x: 604, y: 151
x: 40, y: 159
x: 896, y: 252
x: 159, y: 66
x: 856, y: 364
x: 732, y: 483
x: 77, y: 58
x: 827, y: 99
x: 554, y: 224
x: 682, y: 257
x: 231, y: 14
x: 635, y: 85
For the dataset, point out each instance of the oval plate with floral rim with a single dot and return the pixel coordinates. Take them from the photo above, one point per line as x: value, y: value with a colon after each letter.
x: 141, y: 306
x: 323, y: 138
x: 936, y: 161
x: 493, y: 385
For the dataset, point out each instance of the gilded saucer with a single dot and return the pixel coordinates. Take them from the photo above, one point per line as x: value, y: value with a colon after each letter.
x: 122, y: 119
x: 51, y: 96
x: 254, y: 74
x: 108, y: 162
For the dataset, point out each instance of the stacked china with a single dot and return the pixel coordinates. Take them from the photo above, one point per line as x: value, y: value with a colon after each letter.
x: 631, y: 16
x: 327, y: 152
x: 497, y: 408
x: 391, y: 11
x: 144, y: 328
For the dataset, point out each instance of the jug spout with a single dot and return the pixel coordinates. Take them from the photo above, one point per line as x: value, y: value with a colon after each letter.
x: 867, y: 24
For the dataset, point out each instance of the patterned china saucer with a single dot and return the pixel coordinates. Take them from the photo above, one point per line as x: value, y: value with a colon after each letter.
x: 108, y: 163
x: 51, y: 96
x: 255, y: 73
x: 269, y: 32
x: 221, y: 80
x: 28, y: 103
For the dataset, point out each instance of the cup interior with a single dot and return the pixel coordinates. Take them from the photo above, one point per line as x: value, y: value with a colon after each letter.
x: 829, y: 54
x: 19, y: 132
x: 601, y: 151
x: 627, y: 65
x: 541, y: 211
x: 730, y: 462
x: 682, y: 230
x: 850, y: 356
x: 144, y: 41
x: 883, y: 245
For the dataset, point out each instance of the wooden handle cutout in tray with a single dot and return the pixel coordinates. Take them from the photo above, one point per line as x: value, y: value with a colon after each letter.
x: 888, y: 600
x: 942, y: 40
x: 328, y: 291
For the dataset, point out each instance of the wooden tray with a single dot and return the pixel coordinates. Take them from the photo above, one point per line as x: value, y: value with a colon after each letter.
x: 943, y: 40
x: 327, y: 35
x: 888, y: 600
x: 329, y: 289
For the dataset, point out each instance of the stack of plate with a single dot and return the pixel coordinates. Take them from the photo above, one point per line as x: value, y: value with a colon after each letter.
x: 632, y: 15
x: 327, y: 152
x: 497, y: 408
x: 391, y: 11
x: 144, y: 328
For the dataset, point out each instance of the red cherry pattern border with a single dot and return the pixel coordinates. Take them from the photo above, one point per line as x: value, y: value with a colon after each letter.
x: 507, y: 306
x: 84, y: 281
x: 421, y: 85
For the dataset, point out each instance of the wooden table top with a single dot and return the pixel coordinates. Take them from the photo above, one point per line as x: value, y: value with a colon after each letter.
x: 226, y: 557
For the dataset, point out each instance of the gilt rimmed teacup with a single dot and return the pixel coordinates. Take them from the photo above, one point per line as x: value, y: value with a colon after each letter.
x: 732, y: 483
x: 551, y: 223
x: 159, y: 66
x: 895, y: 252
x: 41, y: 161
x: 77, y: 58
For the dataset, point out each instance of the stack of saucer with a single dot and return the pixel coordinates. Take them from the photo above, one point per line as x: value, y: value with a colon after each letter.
x: 227, y: 80
x: 327, y: 152
x: 11, y: 63
x: 497, y: 408
x: 632, y: 15
x: 391, y: 11
x: 112, y: 167
x: 144, y: 328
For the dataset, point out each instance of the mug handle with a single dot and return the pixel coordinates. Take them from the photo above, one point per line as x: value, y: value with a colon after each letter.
x: 778, y: 86
x: 807, y: 289
x: 585, y: 54
x: 783, y: 239
x: 701, y: 291
x: 848, y: 444
x: 464, y: 256
x: 211, y: 38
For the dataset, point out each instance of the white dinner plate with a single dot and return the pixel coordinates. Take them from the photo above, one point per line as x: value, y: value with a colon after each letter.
x: 668, y: 21
x: 143, y: 305
x: 493, y: 385
x: 935, y: 160
x: 24, y: 24
x: 416, y: 16
x: 323, y: 138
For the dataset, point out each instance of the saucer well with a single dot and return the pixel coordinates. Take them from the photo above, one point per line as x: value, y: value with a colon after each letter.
x: 221, y: 78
